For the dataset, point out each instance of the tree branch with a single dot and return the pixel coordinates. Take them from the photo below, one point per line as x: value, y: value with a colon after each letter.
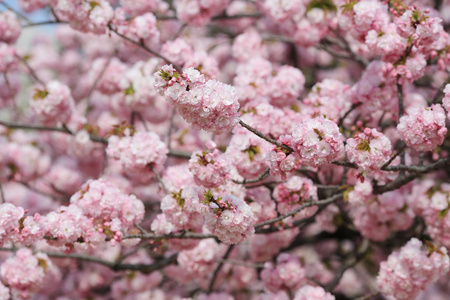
x: 265, y: 137
x: 217, y: 270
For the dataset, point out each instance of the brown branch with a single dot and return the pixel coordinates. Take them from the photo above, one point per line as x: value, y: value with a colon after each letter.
x: 30, y: 69
x: 93, y: 138
x: 97, y: 80
x: 300, y: 208
x: 265, y: 137
x: 217, y: 270
x: 263, y: 176
x: 176, y: 66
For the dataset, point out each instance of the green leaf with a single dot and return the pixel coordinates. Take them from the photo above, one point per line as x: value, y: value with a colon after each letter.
x: 443, y: 213
x: 363, y: 146
x: 129, y: 91
x: 40, y: 94
x: 325, y: 5
x: 252, y: 151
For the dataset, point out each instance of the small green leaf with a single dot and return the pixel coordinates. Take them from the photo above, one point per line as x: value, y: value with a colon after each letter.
x: 325, y: 5
x: 43, y: 264
x: 443, y: 213
x: 129, y: 91
x: 40, y: 94
x: 363, y: 146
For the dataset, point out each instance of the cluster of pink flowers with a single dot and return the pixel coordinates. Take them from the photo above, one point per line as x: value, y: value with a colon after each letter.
x: 200, y: 260
x: 182, y: 209
x: 139, y: 7
x: 141, y: 28
x: 317, y: 141
x: 107, y: 205
x: 10, y: 27
x: 286, y: 86
x: 210, y: 169
x: 446, y: 99
x: 85, y: 15
x: 369, y: 149
x: 229, y: 218
x: 10, y: 215
x: 412, y: 269
x: 248, y: 154
x: 295, y: 191
x: 138, y: 154
x: 8, y: 58
x: 309, y: 292
x: 286, y: 273
x: 211, y: 105
x: 432, y: 203
x: 328, y: 98
x: 53, y: 103
x: 423, y: 128
x: 377, y: 216
x: 282, y: 163
x: 25, y: 273
x: 199, y: 12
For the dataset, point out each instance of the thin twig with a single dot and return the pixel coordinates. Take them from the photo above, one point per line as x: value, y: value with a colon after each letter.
x: 169, y: 134
x: 159, y: 179
x: 30, y: 69
x: 176, y: 66
x: 263, y: 176
x: 2, y: 194
x: 300, y: 208
x: 242, y: 263
x: 345, y: 164
x: 43, y: 23
x: 352, y: 108
x: 97, y: 80
x: 402, y: 148
x: 179, y: 154
x: 368, y: 297
x: 21, y: 16
x: 437, y: 96
x: 93, y: 138
x: 353, y: 261
x: 219, y: 267
x: 265, y: 137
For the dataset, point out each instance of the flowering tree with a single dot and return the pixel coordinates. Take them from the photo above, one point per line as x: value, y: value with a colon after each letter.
x: 225, y: 149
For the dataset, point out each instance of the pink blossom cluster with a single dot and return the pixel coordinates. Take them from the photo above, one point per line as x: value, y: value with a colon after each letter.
x: 423, y: 128
x: 446, y: 99
x: 211, y: 105
x: 285, y: 273
x: 25, y: 273
x: 111, y: 209
x: 85, y: 15
x: 10, y: 216
x: 309, y: 292
x: 248, y: 154
x: 183, y: 209
x: 412, y: 269
x: 10, y: 27
x: 328, y: 98
x: 200, y: 260
x: 140, y: 7
x: 199, y: 12
x: 378, y: 216
x: 431, y: 201
x: 22, y: 161
x: 317, y: 141
x: 141, y: 28
x: 286, y: 86
x: 8, y: 58
x: 281, y: 162
x: 210, y: 169
x: 229, y: 218
x: 53, y: 104
x: 139, y: 154
x: 294, y: 192
x: 369, y: 149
